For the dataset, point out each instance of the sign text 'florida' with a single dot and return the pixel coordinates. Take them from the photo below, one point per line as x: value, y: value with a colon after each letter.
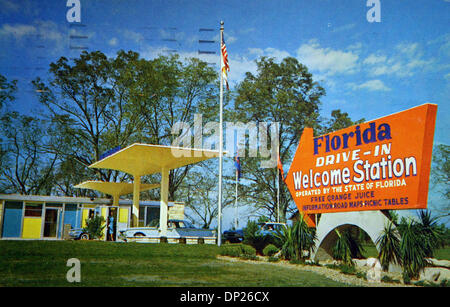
x: 381, y: 164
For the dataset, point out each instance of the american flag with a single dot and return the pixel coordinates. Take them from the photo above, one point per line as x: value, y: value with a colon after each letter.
x: 280, y: 165
x: 237, y: 163
x: 225, y: 67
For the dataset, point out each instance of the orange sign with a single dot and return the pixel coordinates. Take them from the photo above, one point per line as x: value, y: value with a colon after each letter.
x: 381, y: 164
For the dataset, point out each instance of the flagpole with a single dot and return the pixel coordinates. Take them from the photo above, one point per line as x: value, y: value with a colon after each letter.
x: 278, y: 189
x: 219, y: 215
x: 278, y: 175
x: 236, y: 203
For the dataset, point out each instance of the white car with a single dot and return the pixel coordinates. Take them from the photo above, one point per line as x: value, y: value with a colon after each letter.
x: 178, y: 231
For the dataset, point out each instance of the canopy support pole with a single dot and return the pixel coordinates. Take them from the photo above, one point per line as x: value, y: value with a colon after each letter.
x: 115, y: 200
x: 163, y: 208
x: 136, y: 191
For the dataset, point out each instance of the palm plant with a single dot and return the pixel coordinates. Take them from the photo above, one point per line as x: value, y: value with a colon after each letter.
x: 432, y: 235
x: 389, y: 246
x: 347, y: 246
x: 412, y: 250
x: 342, y: 250
x: 296, y: 239
x: 286, y: 236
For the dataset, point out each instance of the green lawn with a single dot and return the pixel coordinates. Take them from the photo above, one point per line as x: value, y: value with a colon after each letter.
x: 43, y: 263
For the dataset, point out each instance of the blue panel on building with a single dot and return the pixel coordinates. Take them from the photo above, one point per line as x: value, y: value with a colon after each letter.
x: 12, y: 219
x: 70, y: 215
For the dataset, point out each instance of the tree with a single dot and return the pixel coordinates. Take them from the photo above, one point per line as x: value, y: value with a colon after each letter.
x: 279, y: 92
x: 77, y: 99
x: 199, y: 193
x: 7, y: 90
x: 25, y: 168
x: 170, y: 91
x: 97, y: 103
x: 440, y: 175
x: 339, y: 121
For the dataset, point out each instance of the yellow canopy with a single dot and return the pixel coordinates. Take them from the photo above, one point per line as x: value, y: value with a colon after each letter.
x: 114, y: 188
x: 146, y: 159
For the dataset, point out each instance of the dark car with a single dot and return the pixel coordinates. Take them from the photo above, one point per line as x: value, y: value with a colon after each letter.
x: 78, y: 234
x: 233, y: 236
x: 271, y: 228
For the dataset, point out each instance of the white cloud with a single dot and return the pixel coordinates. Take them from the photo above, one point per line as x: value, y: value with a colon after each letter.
x: 132, y: 35
x: 277, y: 54
x: 239, y: 65
x: 46, y: 33
x: 113, y: 41
x: 375, y: 59
x: 371, y: 85
x: 256, y: 51
x: 406, y: 62
x: 344, y: 28
x: 326, y: 60
x: 17, y: 31
x: 48, y: 30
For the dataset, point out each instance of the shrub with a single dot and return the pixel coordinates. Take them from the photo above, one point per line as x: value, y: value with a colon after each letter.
x: 406, y: 278
x: 348, y: 269
x: 389, y: 279
x: 247, y: 250
x: 94, y: 226
x: 361, y: 275
x: 296, y: 239
x: 389, y: 246
x: 433, y: 236
x: 237, y: 250
x: 254, y: 237
x: 341, y: 250
x: 249, y: 257
x: 412, y: 250
x: 230, y: 250
x: 347, y: 247
x: 273, y: 259
x: 270, y: 250
x: 417, y: 241
x: 444, y: 283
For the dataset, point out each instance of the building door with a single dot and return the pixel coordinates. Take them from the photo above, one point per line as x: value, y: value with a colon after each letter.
x: 51, y: 222
x: 111, y: 224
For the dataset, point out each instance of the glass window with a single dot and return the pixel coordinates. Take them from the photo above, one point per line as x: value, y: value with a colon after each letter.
x: 152, y: 216
x: 141, y: 216
x: 33, y: 210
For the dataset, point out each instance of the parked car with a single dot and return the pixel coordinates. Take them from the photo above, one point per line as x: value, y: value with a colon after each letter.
x: 233, y: 236
x: 78, y: 234
x: 176, y: 230
x: 271, y: 228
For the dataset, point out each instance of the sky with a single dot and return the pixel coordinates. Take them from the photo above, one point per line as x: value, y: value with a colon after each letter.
x: 368, y: 69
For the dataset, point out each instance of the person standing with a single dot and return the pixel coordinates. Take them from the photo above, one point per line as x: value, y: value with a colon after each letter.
x: 110, y: 236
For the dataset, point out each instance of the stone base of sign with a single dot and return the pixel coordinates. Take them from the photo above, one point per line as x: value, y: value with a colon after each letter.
x: 372, y: 222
